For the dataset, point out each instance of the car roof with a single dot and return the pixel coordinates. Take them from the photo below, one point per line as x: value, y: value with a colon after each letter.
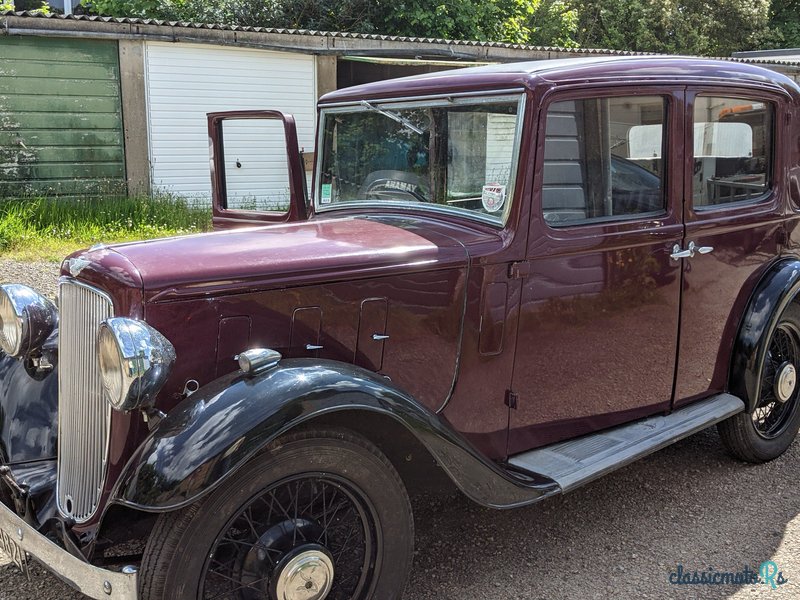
x: 529, y: 74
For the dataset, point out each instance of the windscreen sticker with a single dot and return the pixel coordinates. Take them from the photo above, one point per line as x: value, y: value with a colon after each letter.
x: 327, y: 191
x: 493, y: 197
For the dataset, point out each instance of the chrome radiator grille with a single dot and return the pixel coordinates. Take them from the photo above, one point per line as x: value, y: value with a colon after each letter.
x: 84, y: 416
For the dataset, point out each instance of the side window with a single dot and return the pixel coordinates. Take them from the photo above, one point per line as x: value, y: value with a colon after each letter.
x: 603, y: 159
x: 732, y: 150
x: 256, y: 169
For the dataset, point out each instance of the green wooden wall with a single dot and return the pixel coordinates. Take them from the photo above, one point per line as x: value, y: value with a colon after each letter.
x: 60, y: 117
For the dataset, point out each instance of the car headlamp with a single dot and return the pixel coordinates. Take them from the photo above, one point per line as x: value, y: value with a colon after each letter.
x: 26, y: 319
x: 135, y: 361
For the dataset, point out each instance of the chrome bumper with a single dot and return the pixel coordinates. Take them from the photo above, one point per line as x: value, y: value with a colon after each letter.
x: 90, y: 580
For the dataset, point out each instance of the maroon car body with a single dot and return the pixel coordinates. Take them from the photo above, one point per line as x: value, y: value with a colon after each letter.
x: 493, y: 338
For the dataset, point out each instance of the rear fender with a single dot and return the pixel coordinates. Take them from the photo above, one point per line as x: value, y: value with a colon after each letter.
x: 773, y: 293
x: 215, y: 431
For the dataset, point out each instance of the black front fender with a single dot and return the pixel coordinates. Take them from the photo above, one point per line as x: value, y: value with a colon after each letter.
x: 28, y: 413
x: 220, y: 427
x: 773, y: 293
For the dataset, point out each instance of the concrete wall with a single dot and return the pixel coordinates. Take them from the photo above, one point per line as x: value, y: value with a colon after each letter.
x: 134, y: 115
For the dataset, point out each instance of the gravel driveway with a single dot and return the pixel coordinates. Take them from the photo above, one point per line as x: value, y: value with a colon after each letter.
x: 619, y: 537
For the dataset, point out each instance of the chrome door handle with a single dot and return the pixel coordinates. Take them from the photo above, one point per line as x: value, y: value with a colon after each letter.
x: 313, y: 347
x: 379, y: 337
x: 678, y: 254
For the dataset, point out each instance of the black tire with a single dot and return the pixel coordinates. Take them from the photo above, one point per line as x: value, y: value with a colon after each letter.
x: 768, y: 431
x: 191, y: 554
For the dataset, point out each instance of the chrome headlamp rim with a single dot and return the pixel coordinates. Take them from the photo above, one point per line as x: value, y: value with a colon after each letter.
x: 144, y: 359
x: 32, y: 317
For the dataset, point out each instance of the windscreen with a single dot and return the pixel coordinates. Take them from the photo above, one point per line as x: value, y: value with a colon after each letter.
x: 455, y: 154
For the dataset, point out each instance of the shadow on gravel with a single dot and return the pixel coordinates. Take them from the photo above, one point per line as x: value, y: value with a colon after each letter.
x: 621, y: 536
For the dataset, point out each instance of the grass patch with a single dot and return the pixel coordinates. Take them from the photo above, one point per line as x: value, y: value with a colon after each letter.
x: 49, y: 228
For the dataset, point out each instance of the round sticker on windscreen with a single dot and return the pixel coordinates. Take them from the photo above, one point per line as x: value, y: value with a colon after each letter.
x: 493, y: 197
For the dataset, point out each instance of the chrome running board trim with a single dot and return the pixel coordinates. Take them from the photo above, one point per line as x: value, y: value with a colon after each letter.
x: 576, y: 462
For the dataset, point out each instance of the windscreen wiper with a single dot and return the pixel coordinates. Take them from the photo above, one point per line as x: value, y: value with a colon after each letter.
x: 393, y: 116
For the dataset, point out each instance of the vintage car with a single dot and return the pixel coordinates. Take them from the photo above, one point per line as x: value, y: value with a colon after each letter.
x: 513, y: 278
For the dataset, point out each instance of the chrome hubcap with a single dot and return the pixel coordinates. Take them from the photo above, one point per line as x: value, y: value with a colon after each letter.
x: 785, y: 382
x: 307, y: 576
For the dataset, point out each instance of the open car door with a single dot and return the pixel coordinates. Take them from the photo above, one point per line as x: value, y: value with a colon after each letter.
x: 257, y: 170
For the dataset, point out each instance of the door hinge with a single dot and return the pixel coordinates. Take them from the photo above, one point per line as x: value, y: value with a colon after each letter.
x: 518, y: 270
x: 511, y: 399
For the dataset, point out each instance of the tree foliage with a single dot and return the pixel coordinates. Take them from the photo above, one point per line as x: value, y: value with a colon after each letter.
x: 704, y: 27
x: 785, y: 23
x: 523, y: 21
x: 37, y: 7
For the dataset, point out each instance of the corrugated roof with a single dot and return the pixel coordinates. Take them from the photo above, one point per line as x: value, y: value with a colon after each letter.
x: 776, y: 52
x: 311, y: 32
x: 366, y: 36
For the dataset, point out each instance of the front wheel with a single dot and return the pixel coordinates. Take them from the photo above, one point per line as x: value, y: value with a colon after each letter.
x: 769, y: 430
x: 320, y: 515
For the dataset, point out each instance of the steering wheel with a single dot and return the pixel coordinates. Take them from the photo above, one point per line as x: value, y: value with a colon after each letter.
x: 387, y: 184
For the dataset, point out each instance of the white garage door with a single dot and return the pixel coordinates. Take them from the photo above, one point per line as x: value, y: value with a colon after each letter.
x: 186, y: 81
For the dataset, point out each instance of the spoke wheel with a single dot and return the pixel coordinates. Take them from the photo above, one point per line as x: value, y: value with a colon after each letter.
x: 768, y: 431
x: 779, y: 393
x: 317, y: 515
x: 314, y: 520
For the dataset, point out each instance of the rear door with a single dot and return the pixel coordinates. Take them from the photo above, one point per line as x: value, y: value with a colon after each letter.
x: 733, y: 190
x: 599, y: 312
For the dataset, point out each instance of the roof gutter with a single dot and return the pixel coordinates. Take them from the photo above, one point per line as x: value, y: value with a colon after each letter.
x: 237, y: 39
x: 395, y: 56
x: 415, y: 62
x: 286, y: 40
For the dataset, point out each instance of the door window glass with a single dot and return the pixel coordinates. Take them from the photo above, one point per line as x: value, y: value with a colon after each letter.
x: 256, y: 168
x: 603, y: 159
x: 732, y: 150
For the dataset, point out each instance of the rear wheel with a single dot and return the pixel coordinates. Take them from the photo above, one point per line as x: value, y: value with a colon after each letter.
x: 319, y: 515
x: 769, y: 430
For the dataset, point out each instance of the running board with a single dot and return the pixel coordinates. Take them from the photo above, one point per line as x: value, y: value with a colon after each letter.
x: 579, y: 461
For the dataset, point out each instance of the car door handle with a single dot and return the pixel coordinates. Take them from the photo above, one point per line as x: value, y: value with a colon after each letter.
x: 678, y: 254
